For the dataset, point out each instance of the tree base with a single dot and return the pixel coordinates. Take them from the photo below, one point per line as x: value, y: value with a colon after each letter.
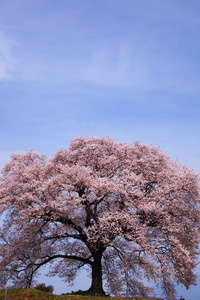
x: 91, y: 292
x: 96, y: 292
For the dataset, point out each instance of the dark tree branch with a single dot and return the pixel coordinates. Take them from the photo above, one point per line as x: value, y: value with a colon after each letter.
x: 73, y: 257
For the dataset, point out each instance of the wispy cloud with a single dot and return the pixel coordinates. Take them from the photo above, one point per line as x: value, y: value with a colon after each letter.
x: 132, y: 47
x: 7, y: 61
x: 116, y: 66
x: 124, y: 64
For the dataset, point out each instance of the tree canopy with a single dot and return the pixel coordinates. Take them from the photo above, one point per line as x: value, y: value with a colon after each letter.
x: 126, y: 211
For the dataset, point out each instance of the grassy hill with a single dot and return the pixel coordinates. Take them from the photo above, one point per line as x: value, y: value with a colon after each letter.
x: 25, y: 294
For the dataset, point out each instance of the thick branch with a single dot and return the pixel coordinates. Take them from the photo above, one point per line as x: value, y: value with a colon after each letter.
x: 74, y: 257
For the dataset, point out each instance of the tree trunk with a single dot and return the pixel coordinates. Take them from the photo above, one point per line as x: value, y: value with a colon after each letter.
x: 97, y: 282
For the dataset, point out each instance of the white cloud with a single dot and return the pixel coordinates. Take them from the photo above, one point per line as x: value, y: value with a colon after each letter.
x: 114, y: 66
x: 7, y: 61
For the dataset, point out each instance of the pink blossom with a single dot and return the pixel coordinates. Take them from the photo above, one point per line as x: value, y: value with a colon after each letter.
x: 127, y: 211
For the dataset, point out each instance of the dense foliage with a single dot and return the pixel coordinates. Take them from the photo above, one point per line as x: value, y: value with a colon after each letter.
x: 126, y: 211
x: 45, y: 288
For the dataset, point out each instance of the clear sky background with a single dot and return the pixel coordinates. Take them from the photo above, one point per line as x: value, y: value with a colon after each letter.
x: 129, y: 69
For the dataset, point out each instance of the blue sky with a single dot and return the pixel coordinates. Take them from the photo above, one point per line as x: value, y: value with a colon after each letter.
x: 129, y: 69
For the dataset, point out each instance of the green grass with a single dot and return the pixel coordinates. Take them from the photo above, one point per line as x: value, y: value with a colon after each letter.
x: 22, y: 294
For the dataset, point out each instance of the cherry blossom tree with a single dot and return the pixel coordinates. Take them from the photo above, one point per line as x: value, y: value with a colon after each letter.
x: 125, y: 211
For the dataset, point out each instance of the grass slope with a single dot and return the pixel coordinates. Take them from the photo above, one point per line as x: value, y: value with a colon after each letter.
x: 24, y: 294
